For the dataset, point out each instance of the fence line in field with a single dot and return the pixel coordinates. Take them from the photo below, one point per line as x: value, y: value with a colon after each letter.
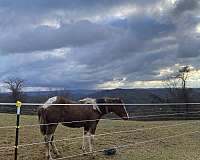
x: 104, y: 134
x: 132, y: 117
x: 111, y: 133
x: 127, y: 104
x: 19, y: 104
x: 91, y: 120
x: 130, y: 145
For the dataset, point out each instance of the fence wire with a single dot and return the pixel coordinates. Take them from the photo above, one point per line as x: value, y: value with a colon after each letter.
x: 103, y: 134
x: 102, y: 119
x: 103, y: 104
x: 130, y: 145
x: 109, y: 133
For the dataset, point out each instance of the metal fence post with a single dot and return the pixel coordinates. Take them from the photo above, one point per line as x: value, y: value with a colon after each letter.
x: 18, y: 105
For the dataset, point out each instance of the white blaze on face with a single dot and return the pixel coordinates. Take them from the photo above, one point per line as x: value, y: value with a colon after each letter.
x: 126, y: 111
x: 49, y: 101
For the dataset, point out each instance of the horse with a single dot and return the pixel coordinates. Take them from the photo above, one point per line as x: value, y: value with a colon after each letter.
x: 75, y: 115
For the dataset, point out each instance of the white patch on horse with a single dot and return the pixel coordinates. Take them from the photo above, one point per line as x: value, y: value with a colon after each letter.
x: 91, y: 101
x: 49, y: 101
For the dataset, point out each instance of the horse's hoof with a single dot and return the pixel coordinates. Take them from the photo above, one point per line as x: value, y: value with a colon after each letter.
x: 49, y: 158
x: 59, y: 156
x: 83, y: 150
x: 93, y: 155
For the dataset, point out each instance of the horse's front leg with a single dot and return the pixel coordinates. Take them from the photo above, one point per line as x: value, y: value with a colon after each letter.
x: 54, y: 148
x: 47, y: 139
x: 90, y: 141
x: 91, y: 137
x: 87, y: 134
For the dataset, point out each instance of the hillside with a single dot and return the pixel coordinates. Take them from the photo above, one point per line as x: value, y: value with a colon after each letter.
x: 129, y: 95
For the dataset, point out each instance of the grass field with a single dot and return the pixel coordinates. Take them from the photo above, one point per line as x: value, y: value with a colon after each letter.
x: 185, y: 147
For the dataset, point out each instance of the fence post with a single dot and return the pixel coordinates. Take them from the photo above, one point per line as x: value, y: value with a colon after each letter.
x: 18, y: 105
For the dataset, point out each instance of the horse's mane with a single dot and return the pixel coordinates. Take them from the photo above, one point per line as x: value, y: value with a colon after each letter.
x: 64, y: 100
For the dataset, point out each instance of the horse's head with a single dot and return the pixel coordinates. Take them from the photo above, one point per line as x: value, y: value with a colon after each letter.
x: 118, y: 107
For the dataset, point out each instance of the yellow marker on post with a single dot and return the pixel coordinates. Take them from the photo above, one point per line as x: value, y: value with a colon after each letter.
x: 18, y: 104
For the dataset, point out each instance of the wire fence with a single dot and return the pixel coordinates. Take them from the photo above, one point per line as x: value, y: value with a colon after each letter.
x: 107, y: 104
x: 102, y: 119
x: 132, y: 117
x: 109, y: 133
x: 112, y: 133
x: 130, y: 145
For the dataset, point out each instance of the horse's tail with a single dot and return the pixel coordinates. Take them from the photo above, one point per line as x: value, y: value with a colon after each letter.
x: 42, y: 120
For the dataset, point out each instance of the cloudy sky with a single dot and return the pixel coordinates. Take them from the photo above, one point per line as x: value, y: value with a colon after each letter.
x: 98, y: 43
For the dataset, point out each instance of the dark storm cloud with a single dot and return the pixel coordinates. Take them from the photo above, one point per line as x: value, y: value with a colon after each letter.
x: 135, y: 39
x: 185, y: 15
x: 22, y: 28
x: 141, y: 30
x: 44, y: 5
x: 98, y: 43
x: 182, y: 6
x: 189, y: 47
x: 47, y: 38
x: 71, y: 9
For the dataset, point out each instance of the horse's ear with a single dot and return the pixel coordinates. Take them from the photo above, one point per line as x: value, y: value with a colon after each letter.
x: 118, y: 100
x: 121, y: 100
x: 60, y: 99
x: 107, y: 100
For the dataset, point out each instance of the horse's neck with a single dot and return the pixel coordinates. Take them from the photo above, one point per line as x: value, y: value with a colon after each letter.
x: 105, y: 109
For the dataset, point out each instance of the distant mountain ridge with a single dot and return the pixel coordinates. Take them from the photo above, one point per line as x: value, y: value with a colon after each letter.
x: 128, y: 95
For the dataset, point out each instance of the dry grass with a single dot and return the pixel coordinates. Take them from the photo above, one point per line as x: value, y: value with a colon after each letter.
x: 177, y: 148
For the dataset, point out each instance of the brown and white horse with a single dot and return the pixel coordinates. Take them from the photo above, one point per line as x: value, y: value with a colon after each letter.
x: 76, y: 115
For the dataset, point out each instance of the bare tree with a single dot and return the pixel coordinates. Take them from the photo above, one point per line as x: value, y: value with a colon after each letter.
x: 183, y: 74
x: 15, y: 85
x: 172, y: 84
x: 177, y: 85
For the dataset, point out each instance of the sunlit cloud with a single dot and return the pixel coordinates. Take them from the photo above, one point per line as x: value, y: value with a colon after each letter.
x: 115, y: 83
x: 124, y: 11
x: 51, y: 23
x: 147, y: 84
x: 198, y: 28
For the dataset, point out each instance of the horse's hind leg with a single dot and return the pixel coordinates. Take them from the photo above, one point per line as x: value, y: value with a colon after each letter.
x: 54, y: 148
x: 47, y: 139
x: 83, y: 145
